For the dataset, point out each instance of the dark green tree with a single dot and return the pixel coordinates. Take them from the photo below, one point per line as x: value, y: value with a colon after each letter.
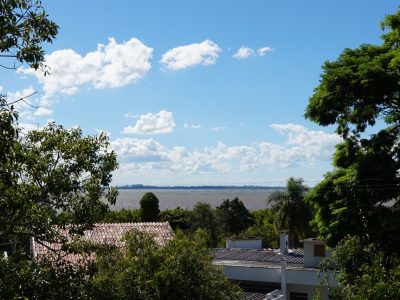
x: 180, y: 270
x: 292, y: 211
x: 233, y: 216
x: 204, y: 217
x: 43, y: 279
x: 364, y: 271
x: 359, y: 93
x: 149, y: 209
x: 178, y: 218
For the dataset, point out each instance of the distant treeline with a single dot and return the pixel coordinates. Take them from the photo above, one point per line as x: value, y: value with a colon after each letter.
x: 199, y: 187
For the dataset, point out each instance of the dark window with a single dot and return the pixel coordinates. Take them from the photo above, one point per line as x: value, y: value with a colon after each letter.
x: 319, y: 250
x: 298, y: 296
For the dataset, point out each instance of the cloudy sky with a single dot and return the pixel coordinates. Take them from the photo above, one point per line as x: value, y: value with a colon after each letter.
x: 196, y: 92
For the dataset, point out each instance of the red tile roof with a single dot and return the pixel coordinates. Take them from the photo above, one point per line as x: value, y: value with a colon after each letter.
x: 104, y: 234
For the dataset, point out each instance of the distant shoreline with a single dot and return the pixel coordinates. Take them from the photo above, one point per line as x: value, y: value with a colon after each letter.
x: 198, y: 187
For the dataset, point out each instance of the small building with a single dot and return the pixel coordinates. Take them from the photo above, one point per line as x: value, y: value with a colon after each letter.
x: 293, y: 272
x: 103, y: 234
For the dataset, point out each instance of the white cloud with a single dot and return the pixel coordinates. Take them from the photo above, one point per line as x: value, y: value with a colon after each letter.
x: 220, y: 128
x: 27, y: 94
x: 302, y: 147
x: 41, y: 111
x: 130, y: 115
x: 243, y: 53
x: 264, y: 50
x: 182, y: 57
x: 109, y: 66
x: 159, y: 123
x: 193, y: 126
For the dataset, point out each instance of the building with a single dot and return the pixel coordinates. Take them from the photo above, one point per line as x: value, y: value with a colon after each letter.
x: 103, y: 234
x: 291, y: 273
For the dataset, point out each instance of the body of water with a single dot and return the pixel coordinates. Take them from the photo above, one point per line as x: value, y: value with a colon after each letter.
x: 253, y: 199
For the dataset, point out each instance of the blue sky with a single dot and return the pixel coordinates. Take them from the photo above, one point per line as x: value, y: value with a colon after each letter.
x: 191, y: 93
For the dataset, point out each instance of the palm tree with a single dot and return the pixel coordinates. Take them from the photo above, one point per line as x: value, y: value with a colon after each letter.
x: 292, y: 211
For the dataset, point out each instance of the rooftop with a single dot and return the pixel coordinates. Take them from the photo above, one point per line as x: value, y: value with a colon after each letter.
x: 104, y: 234
x: 257, y: 256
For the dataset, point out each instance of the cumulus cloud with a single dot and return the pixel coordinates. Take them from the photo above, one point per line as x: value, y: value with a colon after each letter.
x: 182, y: 57
x: 109, y: 66
x: 264, y: 50
x: 302, y: 147
x: 243, y: 53
x: 193, y: 126
x: 159, y: 123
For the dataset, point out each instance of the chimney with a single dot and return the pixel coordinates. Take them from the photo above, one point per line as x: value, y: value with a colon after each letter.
x: 284, y: 241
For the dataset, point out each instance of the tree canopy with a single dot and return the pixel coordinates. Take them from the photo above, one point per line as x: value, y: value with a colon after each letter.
x: 180, y: 270
x: 25, y: 26
x: 359, y: 93
x: 53, y: 178
x: 293, y: 212
x: 149, y: 209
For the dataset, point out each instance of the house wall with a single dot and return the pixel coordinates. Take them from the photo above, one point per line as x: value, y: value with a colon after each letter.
x: 244, y: 244
x: 298, y: 279
x: 261, y: 274
x: 311, y: 291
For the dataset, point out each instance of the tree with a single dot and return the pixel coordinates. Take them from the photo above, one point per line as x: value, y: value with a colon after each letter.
x: 43, y: 279
x: 24, y: 27
x: 357, y: 91
x: 180, y: 270
x: 293, y: 212
x: 204, y: 217
x: 178, y: 218
x: 364, y: 271
x: 149, y: 209
x: 233, y: 216
x: 53, y: 178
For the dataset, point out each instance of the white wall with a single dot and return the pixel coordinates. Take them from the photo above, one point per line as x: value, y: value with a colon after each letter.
x: 244, y: 244
x: 298, y: 279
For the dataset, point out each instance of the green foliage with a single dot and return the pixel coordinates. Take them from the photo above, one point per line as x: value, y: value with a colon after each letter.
x: 204, y: 217
x: 24, y: 27
x: 43, y: 279
x: 357, y: 90
x: 233, y: 216
x: 177, y: 218
x: 122, y: 216
x: 180, y: 270
x: 54, y: 177
x: 292, y: 211
x: 149, y: 209
x: 365, y: 272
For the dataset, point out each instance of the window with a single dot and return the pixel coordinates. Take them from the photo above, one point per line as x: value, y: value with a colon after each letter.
x: 319, y: 250
x: 298, y: 296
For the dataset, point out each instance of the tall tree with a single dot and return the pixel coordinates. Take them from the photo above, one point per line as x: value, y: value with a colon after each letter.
x: 293, y: 212
x: 359, y: 93
x: 233, y: 216
x: 50, y: 177
x: 149, y: 209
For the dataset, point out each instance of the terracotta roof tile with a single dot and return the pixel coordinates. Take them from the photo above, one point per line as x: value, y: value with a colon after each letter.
x: 105, y: 234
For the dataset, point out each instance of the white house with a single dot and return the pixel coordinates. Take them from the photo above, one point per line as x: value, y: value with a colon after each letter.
x: 293, y: 272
